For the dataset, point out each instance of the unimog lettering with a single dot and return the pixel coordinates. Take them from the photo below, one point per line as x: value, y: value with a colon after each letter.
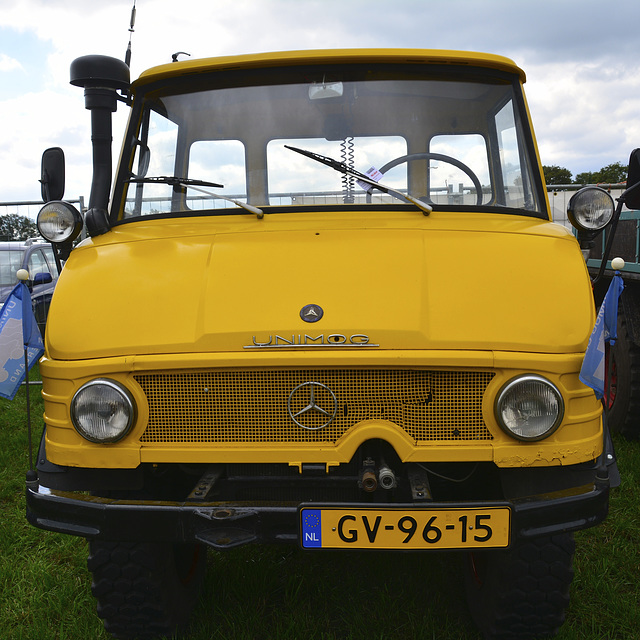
x: 331, y: 340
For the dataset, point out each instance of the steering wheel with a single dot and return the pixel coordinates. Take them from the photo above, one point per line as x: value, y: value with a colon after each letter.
x: 435, y: 156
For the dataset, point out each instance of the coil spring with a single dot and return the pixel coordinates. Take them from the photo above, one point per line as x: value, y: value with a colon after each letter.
x: 347, y: 156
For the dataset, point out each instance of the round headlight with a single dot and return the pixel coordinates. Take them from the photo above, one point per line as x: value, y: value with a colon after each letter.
x: 59, y: 221
x: 590, y: 209
x: 529, y: 408
x: 102, y: 411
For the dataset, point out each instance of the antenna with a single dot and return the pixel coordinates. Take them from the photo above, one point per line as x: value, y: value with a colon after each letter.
x: 132, y: 22
x: 174, y: 56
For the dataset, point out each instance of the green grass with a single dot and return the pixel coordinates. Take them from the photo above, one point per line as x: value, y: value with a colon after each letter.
x: 284, y: 593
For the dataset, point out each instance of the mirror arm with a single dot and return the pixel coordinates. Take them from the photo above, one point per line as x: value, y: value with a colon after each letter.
x: 610, y: 237
x: 57, y: 257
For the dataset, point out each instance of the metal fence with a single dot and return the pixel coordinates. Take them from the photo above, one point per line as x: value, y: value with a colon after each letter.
x: 559, y: 197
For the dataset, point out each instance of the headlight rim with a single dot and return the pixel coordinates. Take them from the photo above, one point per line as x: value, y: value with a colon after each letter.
x: 523, y: 378
x: 129, y: 402
x: 71, y: 231
x: 580, y: 199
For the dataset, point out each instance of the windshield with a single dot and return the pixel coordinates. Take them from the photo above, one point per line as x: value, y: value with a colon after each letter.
x: 451, y: 138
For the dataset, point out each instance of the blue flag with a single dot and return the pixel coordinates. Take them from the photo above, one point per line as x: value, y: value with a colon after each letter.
x: 605, y: 330
x: 18, y: 331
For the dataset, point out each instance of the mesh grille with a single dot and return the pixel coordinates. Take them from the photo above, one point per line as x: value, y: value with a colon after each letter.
x: 253, y: 406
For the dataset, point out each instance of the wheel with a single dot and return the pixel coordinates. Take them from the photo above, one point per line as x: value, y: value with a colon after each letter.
x: 145, y: 590
x: 622, y: 395
x: 435, y: 156
x: 521, y: 592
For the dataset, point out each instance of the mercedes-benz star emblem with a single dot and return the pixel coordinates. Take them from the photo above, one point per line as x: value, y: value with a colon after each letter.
x: 319, y: 405
x: 311, y: 313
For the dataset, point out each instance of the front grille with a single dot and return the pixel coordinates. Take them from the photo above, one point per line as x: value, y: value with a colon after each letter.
x: 253, y: 406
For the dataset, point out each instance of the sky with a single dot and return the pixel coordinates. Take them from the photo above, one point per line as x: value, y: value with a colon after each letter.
x: 582, y: 60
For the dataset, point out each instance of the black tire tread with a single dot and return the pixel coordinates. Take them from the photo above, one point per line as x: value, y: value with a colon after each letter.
x: 526, y: 589
x: 137, y: 589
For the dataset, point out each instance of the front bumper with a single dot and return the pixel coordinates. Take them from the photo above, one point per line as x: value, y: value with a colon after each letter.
x: 542, y: 501
x: 224, y: 525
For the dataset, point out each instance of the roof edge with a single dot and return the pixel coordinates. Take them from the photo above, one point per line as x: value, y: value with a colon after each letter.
x: 318, y: 56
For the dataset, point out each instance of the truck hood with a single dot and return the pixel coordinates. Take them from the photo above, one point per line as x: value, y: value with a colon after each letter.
x: 501, y: 283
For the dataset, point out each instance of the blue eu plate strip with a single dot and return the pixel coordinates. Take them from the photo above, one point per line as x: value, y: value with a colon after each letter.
x: 311, y: 528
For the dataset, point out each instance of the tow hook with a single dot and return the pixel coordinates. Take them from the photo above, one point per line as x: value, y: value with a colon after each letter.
x: 368, y: 480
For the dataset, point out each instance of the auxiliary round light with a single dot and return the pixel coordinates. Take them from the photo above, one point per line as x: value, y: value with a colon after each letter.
x: 529, y: 408
x: 102, y: 411
x: 59, y: 221
x: 590, y: 209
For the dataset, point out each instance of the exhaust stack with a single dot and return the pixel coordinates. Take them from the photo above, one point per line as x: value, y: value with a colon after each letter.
x: 101, y: 77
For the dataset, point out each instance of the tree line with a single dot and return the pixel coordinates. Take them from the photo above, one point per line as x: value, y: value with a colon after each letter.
x: 13, y: 226
x: 611, y: 174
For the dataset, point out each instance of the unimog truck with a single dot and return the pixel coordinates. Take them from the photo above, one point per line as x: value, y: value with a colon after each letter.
x: 321, y: 303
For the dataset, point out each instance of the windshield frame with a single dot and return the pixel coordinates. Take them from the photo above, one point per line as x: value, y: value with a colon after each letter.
x: 272, y: 75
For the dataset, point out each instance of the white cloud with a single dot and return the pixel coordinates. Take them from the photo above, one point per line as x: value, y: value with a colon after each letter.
x: 586, y: 113
x: 9, y: 64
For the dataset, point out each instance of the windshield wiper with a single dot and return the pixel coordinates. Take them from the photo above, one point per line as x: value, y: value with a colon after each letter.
x: 194, y: 184
x: 248, y: 207
x: 347, y: 170
x: 175, y: 181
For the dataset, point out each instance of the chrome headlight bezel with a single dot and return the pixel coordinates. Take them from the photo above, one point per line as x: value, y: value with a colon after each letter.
x: 590, y: 209
x: 520, y: 399
x: 103, y: 411
x: 59, y: 222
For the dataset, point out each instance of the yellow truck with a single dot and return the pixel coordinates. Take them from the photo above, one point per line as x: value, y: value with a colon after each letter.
x: 322, y: 302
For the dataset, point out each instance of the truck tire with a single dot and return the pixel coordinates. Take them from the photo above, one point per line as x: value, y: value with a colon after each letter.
x: 145, y: 590
x: 622, y: 396
x: 521, y: 592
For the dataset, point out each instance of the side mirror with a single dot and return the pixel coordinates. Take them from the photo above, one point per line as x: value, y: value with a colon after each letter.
x: 632, y: 197
x: 52, y: 174
x: 144, y: 159
x: 42, y: 278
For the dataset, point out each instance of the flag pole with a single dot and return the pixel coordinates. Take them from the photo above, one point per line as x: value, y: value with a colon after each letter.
x: 26, y: 382
x: 617, y: 264
x: 32, y: 476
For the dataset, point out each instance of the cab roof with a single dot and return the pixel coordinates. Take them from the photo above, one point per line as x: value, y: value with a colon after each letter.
x: 331, y: 56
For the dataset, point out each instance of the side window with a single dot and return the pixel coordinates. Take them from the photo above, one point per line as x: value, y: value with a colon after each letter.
x: 37, y: 264
x: 10, y: 262
x: 155, y: 157
x: 514, y: 162
x: 509, y: 157
x: 450, y: 184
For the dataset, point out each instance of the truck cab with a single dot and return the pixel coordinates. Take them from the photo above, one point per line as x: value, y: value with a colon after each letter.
x: 322, y: 303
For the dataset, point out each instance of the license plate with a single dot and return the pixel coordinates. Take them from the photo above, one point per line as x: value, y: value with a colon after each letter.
x: 340, y: 528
